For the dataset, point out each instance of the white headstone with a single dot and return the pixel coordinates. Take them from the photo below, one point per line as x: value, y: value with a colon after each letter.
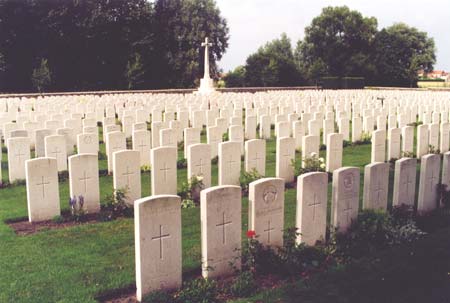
x: 127, y: 174
x: 311, y: 215
x: 164, y: 170
x: 42, y: 189
x: 84, y: 180
x: 405, y: 182
x: 345, y: 197
x: 157, y: 238
x: 266, y: 210
x: 220, y: 212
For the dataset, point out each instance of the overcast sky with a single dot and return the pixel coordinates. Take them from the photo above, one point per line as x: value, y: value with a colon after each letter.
x: 254, y: 22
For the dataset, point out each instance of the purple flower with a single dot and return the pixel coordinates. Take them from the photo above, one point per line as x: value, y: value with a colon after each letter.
x: 72, y: 202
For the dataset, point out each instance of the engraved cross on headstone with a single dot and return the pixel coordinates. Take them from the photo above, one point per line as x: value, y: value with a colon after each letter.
x: 43, y: 186
x: 128, y: 174
x: 230, y: 162
x: 19, y: 155
x: 314, y: 204
x: 84, y: 179
x: 160, y: 238
x: 378, y: 192
x: 201, y: 165
x: 223, y: 225
x: 433, y: 177
x: 165, y: 169
x: 268, y: 230
x: 55, y: 152
x: 347, y: 209
x: 141, y: 146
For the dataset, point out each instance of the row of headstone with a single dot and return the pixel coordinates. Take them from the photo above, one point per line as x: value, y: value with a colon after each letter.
x: 158, y: 218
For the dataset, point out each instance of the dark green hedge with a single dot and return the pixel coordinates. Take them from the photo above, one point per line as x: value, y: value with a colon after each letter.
x: 342, y: 83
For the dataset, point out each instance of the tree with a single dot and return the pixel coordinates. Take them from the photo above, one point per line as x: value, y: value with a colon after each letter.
x: 272, y: 65
x: 2, y: 72
x: 337, y: 43
x: 235, y: 78
x: 400, y: 52
x: 41, y: 77
x: 135, y: 73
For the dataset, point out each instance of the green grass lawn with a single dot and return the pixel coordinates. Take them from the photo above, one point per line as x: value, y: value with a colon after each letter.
x: 78, y: 263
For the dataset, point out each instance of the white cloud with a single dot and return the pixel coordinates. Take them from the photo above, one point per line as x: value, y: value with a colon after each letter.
x: 254, y: 22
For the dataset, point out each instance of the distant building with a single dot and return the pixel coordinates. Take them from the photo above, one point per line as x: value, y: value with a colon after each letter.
x: 436, y: 74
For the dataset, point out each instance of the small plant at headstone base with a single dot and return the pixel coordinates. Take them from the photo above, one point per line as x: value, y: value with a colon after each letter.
x: 63, y: 175
x: 300, y: 259
x: 180, y: 145
x: 314, y: 163
x: 115, y: 206
x: 243, y: 285
x: 58, y: 219
x: 190, y: 191
x: 77, y: 211
x: 159, y: 297
x: 203, y: 132
x: 346, y: 143
x: 102, y: 156
x: 18, y: 182
x: 408, y: 154
x: 146, y: 168
x: 248, y: 177
x: 366, y: 138
x: 225, y: 137
x: 181, y: 163
x: 215, y: 160
x: 198, y: 291
x: 75, y: 150
x: 440, y: 217
x: 433, y: 150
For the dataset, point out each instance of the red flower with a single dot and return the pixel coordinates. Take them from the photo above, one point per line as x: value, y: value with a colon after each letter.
x: 251, y: 234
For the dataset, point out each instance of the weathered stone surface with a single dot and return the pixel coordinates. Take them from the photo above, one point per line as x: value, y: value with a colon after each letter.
x: 157, y: 238
x: 42, y: 189
x: 345, y: 197
x: 84, y: 180
x: 376, y: 183
x: 266, y: 210
x: 405, y: 182
x: 229, y: 164
x: 255, y: 156
x: 311, y: 216
x: 164, y: 170
x: 127, y: 174
x: 220, y: 212
x: 429, y: 182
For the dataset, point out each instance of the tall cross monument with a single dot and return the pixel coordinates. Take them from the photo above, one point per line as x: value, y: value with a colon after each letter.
x: 206, y: 84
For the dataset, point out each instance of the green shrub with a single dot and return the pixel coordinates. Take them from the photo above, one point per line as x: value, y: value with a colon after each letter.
x: 311, y: 164
x: 248, y: 177
x: 115, y: 206
x: 374, y: 230
x: 225, y: 137
x: 58, y: 219
x: 190, y: 191
x: 159, y: 297
x: 198, y: 291
x: 181, y: 163
x: 102, y: 156
x: 243, y: 285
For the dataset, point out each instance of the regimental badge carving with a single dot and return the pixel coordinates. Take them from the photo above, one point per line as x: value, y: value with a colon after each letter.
x: 349, y: 181
x: 87, y: 139
x: 270, y: 194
